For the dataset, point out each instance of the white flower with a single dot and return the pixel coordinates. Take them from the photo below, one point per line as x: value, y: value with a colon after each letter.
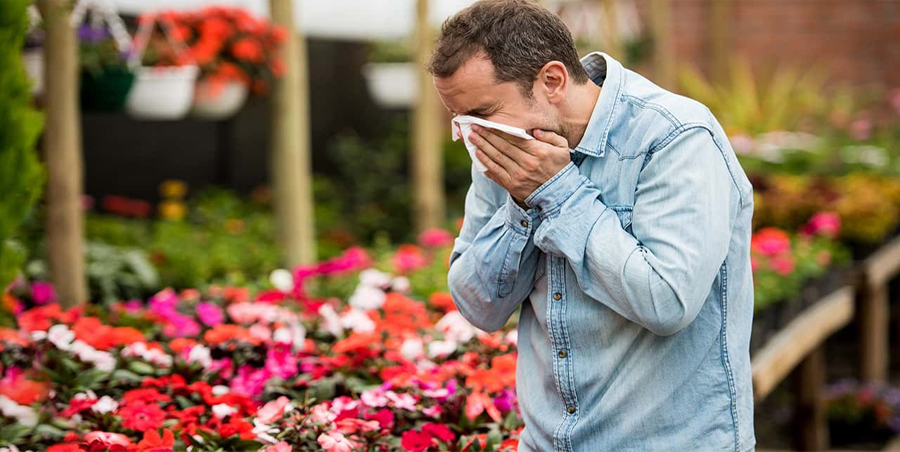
x: 23, y: 414
x: 331, y: 321
x: 367, y: 297
x: 10, y: 448
x: 456, y: 327
x: 374, y: 278
x: 412, y: 348
x: 357, y: 320
x: 221, y: 410
x: 85, y: 395
x: 106, y: 404
x: 401, y: 284
x: 264, y: 432
x: 282, y: 280
x: 404, y: 401
x: 200, y: 354
x: 38, y: 335
x: 440, y: 349
x: 60, y: 336
x: 218, y: 390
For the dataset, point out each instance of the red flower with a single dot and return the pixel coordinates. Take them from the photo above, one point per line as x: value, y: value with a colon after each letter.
x: 439, y: 431
x: 247, y: 49
x: 142, y: 416
x: 77, y: 406
x: 827, y: 224
x: 152, y: 442
x: 64, y: 447
x: 144, y: 395
x: 415, y: 441
x: 237, y: 426
x: 408, y: 258
x: 770, y: 242
x: 385, y: 418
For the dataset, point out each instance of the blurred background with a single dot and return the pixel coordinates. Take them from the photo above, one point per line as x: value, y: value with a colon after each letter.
x: 194, y: 143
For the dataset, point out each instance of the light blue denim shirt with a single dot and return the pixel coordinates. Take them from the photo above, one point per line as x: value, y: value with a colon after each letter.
x: 632, y: 269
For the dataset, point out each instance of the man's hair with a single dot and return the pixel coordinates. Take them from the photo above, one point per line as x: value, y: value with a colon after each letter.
x: 518, y: 36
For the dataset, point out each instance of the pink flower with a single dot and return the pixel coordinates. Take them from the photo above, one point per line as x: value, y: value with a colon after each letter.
x: 181, y: 325
x: 107, y: 438
x: 210, y: 314
x: 281, y: 361
x: 408, y: 258
x: 770, y: 241
x: 272, y: 411
x: 42, y: 293
x: 861, y: 129
x: 783, y: 264
x: 435, y: 238
x: 249, y: 382
x: 827, y: 224
x: 335, y: 442
x: 279, y: 447
x: 350, y: 426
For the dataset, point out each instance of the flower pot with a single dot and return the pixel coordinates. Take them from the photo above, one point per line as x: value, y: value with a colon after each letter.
x: 33, y: 62
x: 392, y: 85
x: 107, y: 90
x: 162, y: 92
x: 218, y: 100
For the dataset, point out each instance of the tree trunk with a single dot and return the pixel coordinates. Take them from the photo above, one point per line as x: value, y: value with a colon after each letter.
x: 426, y: 158
x: 291, y: 158
x: 62, y: 149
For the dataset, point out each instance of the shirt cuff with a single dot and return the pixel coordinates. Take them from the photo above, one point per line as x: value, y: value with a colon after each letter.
x: 520, y: 220
x: 549, y: 196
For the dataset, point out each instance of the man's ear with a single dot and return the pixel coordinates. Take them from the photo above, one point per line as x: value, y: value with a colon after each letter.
x: 553, y: 80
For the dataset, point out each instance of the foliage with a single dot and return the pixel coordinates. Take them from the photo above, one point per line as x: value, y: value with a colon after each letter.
x: 21, y: 175
x: 862, y: 413
x: 98, y: 52
x: 750, y: 104
x: 396, y: 51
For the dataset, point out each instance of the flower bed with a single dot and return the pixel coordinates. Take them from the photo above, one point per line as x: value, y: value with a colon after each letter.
x: 230, y: 370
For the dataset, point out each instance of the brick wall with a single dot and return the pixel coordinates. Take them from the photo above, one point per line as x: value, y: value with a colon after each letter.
x: 855, y: 40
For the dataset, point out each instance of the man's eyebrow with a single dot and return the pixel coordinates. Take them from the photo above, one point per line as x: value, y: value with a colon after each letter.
x: 480, y: 111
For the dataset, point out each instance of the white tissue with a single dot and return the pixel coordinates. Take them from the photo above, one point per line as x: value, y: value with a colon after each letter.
x: 462, y: 127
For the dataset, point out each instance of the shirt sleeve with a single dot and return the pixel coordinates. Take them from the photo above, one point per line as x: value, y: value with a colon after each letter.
x: 660, y: 274
x: 494, y: 259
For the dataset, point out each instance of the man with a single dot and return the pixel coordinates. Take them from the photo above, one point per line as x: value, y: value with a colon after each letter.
x: 622, y: 231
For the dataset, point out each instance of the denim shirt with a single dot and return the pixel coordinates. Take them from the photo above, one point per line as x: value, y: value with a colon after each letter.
x: 632, y: 270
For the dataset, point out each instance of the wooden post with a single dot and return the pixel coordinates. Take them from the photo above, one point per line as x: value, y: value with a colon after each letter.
x: 426, y: 154
x: 719, y: 38
x: 874, y: 323
x: 663, y: 60
x: 610, y: 29
x: 812, y: 423
x: 62, y: 150
x: 291, y: 158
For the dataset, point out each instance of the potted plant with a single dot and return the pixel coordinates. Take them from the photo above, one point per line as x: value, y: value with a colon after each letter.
x: 236, y: 53
x: 391, y: 76
x: 164, y: 82
x: 105, y: 76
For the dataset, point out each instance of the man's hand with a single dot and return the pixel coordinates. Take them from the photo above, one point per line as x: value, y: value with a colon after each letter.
x: 518, y: 165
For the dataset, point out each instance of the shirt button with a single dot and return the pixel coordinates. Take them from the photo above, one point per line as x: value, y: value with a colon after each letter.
x: 557, y: 296
x: 571, y: 410
x: 562, y: 354
x: 524, y: 224
x: 539, y: 208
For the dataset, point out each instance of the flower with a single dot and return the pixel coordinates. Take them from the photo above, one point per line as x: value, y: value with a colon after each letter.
x: 439, y: 431
x: 282, y: 280
x: 415, y: 441
x: 408, y: 258
x: 279, y: 447
x: 250, y: 382
x: 273, y: 410
x: 142, y: 416
x: 334, y: 441
x: 42, y: 293
x: 281, y: 362
x: 104, y: 405
x: 107, y: 438
x: 435, y: 238
x: 770, y: 242
x: 826, y: 224
x: 210, y: 313
x: 247, y: 49
x: 152, y: 442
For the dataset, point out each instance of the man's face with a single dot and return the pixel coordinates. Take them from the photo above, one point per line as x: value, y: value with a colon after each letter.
x: 473, y: 90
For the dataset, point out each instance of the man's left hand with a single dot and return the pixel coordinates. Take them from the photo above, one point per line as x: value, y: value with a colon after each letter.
x: 519, y: 165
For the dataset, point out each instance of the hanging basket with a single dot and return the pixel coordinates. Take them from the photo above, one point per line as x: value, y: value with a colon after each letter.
x: 105, y: 91
x: 164, y: 92
x: 218, y: 100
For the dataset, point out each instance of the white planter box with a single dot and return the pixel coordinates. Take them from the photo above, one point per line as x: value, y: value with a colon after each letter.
x: 162, y: 92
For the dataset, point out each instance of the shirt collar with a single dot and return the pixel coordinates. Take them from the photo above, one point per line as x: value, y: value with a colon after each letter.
x: 605, y: 71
